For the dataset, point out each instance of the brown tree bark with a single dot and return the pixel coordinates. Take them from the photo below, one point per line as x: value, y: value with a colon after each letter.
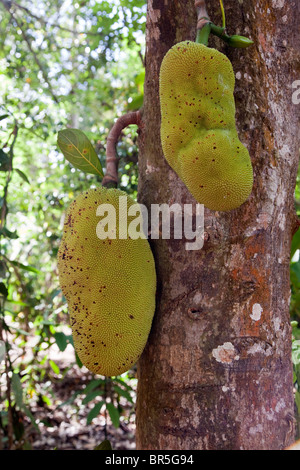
x: 217, y: 371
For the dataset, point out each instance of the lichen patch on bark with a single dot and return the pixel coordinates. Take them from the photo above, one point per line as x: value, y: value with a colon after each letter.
x: 225, y: 353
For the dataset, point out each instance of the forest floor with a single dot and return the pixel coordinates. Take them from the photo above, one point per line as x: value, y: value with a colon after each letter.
x: 61, y: 419
x: 63, y: 426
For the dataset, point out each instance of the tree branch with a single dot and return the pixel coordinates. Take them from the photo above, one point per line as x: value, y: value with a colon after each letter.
x: 111, y: 176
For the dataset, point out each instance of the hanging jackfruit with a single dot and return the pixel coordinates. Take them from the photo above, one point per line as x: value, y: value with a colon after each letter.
x: 109, y: 283
x: 198, y: 132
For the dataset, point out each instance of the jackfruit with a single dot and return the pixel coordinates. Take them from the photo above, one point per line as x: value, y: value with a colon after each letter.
x: 198, y: 132
x: 109, y: 283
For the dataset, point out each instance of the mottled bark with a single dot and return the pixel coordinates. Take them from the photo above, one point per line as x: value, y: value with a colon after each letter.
x: 217, y: 372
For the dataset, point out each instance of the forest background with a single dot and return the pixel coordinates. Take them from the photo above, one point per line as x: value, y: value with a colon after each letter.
x: 80, y: 64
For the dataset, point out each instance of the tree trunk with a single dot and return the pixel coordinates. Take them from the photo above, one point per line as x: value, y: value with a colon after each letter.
x: 217, y: 370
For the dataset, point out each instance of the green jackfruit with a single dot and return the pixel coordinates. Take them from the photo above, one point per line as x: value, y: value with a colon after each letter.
x: 109, y: 284
x: 198, y: 132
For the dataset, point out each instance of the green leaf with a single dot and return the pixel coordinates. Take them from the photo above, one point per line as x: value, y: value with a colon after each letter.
x: 3, y: 116
x: 7, y: 233
x: 78, y: 361
x: 93, y: 384
x: 295, y: 243
x: 17, y: 389
x: 25, y: 267
x: 2, y: 350
x: 61, y: 340
x: 94, y: 412
x: 297, y: 400
x: 78, y: 150
x: 22, y: 175
x: 123, y: 393
x: 20, y: 331
x: 4, y: 161
x: 91, y: 396
x: 30, y: 416
x: 3, y: 289
x: 136, y: 102
x: 114, y: 414
x: 54, y: 367
x: 71, y: 399
x: 105, y: 445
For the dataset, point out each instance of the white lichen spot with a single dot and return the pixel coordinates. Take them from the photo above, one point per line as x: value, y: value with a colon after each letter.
x: 225, y: 389
x: 248, y: 77
x: 238, y: 75
x: 255, y: 429
x: 225, y: 353
x: 256, y: 312
x: 278, y: 3
x: 276, y: 323
x: 255, y: 348
x: 150, y: 168
x: 197, y: 298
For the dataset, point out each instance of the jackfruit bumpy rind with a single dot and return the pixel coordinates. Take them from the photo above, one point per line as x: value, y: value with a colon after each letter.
x: 109, y: 285
x: 198, y: 132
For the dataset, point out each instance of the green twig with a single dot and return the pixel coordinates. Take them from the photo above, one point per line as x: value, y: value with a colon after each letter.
x: 233, y: 41
x: 223, y: 15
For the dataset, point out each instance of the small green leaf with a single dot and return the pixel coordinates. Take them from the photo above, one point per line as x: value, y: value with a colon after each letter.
x: 93, y: 384
x: 91, y: 396
x: 94, y: 412
x: 297, y: 400
x: 61, y: 340
x: 136, y: 103
x: 54, y: 367
x: 2, y: 350
x: 3, y: 289
x: 78, y: 361
x: 7, y: 233
x: 114, y: 414
x: 105, y: 445
x: 22, y: 175
x: 123, y: 393
x: 25, y: 267
x: 17, y: 389
x: 3, y: 116
x: 30, y: 416
x: 4, y: 161
x: 78, y: 150
x: 295, y: 243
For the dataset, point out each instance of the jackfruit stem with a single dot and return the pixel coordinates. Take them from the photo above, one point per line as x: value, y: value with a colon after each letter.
x: 203, y: 22
x: 201, y: 13
x: 203, y: 34
x: 111, y: 176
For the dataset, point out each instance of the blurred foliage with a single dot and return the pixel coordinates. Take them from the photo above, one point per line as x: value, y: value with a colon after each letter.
x: 63, y: 64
